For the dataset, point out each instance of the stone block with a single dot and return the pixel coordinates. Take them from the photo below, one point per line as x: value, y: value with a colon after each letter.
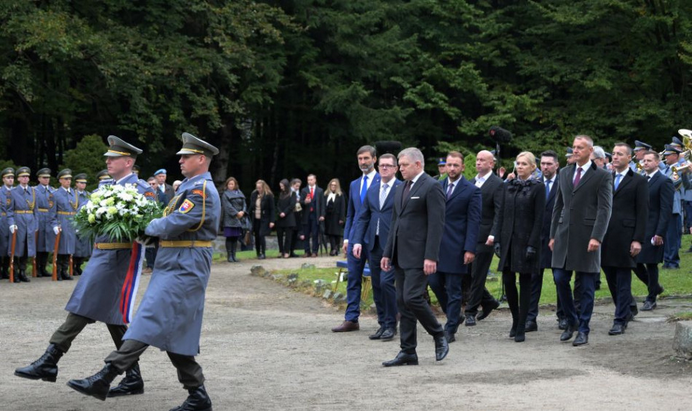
x: 682, y: 341
x: 258, y: 270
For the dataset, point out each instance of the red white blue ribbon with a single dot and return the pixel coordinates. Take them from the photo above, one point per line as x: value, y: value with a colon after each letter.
x: 129, y: 290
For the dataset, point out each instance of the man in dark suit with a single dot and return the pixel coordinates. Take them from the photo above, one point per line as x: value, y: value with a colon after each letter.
x: 580, y: 219
x: 356, y: 197
x: 312, y: 202
x: 462, y: 220
x: 413, y: 248
x: 369, y: 238
x: 491, y: 187
x: 625, y: 235
x: 164, y: 188
x: 661, y: 194
x: 549, y: 168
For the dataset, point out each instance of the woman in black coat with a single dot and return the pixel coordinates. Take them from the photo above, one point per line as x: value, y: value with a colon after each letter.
x: 520, y: 239
x: 262, y: 215
x: 335, y: 215
x: 286, y: 223
x: 234, y: 209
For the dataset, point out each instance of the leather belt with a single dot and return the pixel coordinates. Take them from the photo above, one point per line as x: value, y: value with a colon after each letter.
x: 3, y: 214
x: 184, y: 244
x: 67, y: 212
x: 23, y: 211
x: 112, y: 246
x: 43, y: 210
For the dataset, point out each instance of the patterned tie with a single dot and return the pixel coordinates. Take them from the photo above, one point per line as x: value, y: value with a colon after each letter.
x: 407, y: 190
x: 450, y: 189
x: 618, y: 177
x: 363, y: 189
x: 577, y: 178
x: 383, y: 195
x: 547, y: 189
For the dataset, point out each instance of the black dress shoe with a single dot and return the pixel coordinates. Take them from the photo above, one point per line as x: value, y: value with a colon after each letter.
x: 402, y: 359
x: 378, y: 334
x: 648, y: 305
x: 132, y: 384
x: 568, y: 333
x: 441, y: 347
x: 450, y: 337
x: 520, y: 337
x: 634, y: 310
x: 513, y: 331
x: 470, y: 320
x: 487, y: 310
x: 562, y: 324
x: 617, y: 329
x: 97, y: 385
x: 197, y: 400
x: 582, y: 338
x: 531, y: 326
x: 388, y: 334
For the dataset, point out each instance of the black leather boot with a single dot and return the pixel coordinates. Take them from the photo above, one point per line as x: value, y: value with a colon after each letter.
x: 65, y: 268
x: 45, y: 368
x: 77, y: 265
x: 132, y: 384
x: 234, y: 247
x: 198, y: 400
x: 98, y: 384
x: 23, y: 278
x: 41, y: 261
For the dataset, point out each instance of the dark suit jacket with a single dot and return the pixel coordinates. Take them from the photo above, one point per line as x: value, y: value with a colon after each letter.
x: 317, y: 203
x: 267, y: 210
x: 546, y: 253
x: 661, y: 193
x: 170, y: 193
x: 462, y: 223
x: 354, y: 204
x: 580, y: 214
x: 286, y: 205
x: 370, y: 213
x: 491, y: 192
x: 417, y: 227
x: 628, y: 222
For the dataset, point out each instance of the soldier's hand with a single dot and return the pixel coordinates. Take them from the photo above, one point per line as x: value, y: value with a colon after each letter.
x: 13, y: 228
x: 56, y: 230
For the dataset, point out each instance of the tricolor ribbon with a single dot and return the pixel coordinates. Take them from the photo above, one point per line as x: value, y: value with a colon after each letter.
x: 129, y: 291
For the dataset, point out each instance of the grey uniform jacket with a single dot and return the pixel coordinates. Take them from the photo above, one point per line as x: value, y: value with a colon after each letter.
x: 170, y: 315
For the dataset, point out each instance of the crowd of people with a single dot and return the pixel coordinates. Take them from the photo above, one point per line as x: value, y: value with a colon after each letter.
x: 620, y: 212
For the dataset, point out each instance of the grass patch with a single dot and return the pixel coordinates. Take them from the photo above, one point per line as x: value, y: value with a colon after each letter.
x: 683, y: 316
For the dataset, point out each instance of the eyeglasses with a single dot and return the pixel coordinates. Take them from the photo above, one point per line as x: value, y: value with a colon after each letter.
x: 386, y: 166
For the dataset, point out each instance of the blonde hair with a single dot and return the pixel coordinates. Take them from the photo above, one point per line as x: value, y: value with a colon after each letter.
x: 338, y: 187
x: 265, y: 188
x: 529, y: 157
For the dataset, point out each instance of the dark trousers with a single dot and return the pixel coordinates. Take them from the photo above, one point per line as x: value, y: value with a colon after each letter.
x: 410, y: 286
x: 671, y: 245
x: 354, y: 282
x: 620, y: 285
x: 478, y: 294
x: 260, y: 241
x: 150, y: 255
x: 576, y: 316
x: 294, y: 233
x: 518, y: 301
x: 688, y: 215
x: 447, y: 288
x: 74, y: 324
x: 334, y: 243
x: 648, y: 274
x: 311, y: 230
x: 189, y: 372
x: 383, y: 289
x: 284, y: 236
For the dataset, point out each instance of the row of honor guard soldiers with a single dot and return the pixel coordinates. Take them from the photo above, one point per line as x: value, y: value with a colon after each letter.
x: 35, y: 221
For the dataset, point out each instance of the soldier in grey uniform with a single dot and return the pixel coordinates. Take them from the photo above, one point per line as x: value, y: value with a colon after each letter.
x: 45, y: 238
x: 102, y: 175
x: 170, y: 315
x: 83, y: 247
x: 97, y: 295
x: 7, y: 183
x: 22, y: 219
x: 62, y: 213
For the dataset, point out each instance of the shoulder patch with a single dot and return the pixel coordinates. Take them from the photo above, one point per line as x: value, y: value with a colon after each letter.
x: 186, y: 206
x: 149, y: 194
x: 199, y: 193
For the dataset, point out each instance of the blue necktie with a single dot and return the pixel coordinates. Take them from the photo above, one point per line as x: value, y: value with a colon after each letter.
x: 617, y: 180
x: 364, y: 189
x: 547, y: 189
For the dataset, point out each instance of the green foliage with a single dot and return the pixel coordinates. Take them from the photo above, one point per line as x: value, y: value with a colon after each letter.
x: 87, y: 157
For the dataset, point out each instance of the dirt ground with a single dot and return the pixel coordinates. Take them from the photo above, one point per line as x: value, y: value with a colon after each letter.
x: 265, y: 347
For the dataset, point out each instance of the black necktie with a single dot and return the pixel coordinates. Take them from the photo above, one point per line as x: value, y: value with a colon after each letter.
x: 407, y: 190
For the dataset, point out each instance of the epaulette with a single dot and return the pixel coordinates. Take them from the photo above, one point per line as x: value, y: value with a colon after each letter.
x: 106, y: 182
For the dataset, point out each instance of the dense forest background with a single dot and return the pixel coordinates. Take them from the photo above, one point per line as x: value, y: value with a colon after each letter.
x: 285, y: 88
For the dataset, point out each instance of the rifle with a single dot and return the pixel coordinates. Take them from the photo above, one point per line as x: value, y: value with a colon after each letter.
x: 35, y: 274
x: 55, y: 256
x: 12, y: 248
